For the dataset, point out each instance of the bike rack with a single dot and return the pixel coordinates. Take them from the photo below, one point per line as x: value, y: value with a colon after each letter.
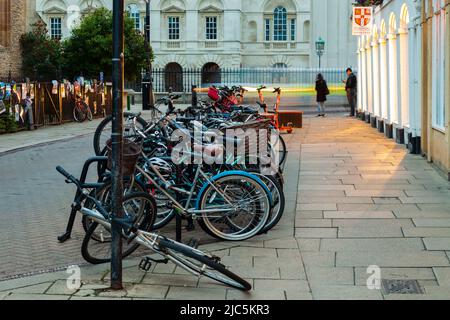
x: 100, y: 160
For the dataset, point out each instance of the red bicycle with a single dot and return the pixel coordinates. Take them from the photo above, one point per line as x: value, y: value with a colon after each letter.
x: 81, y: 110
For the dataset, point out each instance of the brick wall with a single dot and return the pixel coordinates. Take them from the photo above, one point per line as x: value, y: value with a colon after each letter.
x: 10, y: 56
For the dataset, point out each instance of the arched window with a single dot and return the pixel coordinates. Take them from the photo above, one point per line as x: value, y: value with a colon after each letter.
x: 280, y: 24
x: 174, y: 77
x: 211, y: 74
x: 135, y: 15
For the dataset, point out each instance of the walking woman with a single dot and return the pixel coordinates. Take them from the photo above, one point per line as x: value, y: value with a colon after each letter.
x: 322, y: 92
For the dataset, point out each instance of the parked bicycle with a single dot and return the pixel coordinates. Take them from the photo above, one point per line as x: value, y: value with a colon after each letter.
x: 188, y: 258
x: 81, y: 110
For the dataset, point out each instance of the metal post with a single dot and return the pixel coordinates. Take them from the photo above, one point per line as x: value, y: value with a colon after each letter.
x: 117, y: 142
x: 148, y: 100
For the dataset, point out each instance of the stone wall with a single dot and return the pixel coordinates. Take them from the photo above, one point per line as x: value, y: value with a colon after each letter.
x: 10, y: 56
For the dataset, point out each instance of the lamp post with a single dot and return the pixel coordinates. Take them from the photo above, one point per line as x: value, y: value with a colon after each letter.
x: 147, y: 81
x: 117, y: 142
x: 320, y: 49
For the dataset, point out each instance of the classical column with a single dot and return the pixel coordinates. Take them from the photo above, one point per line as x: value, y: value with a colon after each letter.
x: 360, y: 105
x: 363, y: 78
x: 393, y: 81
x: 376, y: 78
x: 369, y: 78
x: 404, y: 78
x: 383, y: 79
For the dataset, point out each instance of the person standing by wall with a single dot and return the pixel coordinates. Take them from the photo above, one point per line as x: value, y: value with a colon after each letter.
x: 322, y: 92
x: 28, y: 112
x: 351, y: 89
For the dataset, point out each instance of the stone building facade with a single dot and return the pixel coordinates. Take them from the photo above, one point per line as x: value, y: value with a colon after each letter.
x: 229, y: 33
x: 13, y: 23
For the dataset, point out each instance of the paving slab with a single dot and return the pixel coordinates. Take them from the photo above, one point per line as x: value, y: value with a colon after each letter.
x: 391, y: 259
x: 437, y: 244
x: 426, y: 232
x: 34, y: 297
x: 147, y: 291
x: 265, y: 295
x: 342, y: 292
x: 442, y: 276
x: 358, y: 214
x: 361, y: 274
x: 330, y: 276
x: 370, y: 232
x: 181, y: 293
x: 315, y: 233
x: 372, y: 244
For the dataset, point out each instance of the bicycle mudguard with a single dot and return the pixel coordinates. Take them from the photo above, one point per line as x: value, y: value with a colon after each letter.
x: 232, y: 173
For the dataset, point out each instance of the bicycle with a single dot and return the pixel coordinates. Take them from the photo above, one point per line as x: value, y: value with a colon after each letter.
x: 81, y: 110
x: 188, y: 258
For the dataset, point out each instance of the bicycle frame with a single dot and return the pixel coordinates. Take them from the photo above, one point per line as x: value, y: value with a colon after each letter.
x: 185, y: 210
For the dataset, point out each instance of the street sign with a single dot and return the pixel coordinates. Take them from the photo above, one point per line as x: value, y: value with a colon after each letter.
x: 362, y: 21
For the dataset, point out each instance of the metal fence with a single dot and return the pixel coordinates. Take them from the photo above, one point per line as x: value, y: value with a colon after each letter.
x: 183, y: 80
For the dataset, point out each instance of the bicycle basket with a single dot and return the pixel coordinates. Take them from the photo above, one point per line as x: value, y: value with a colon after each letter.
x: 131, y: 154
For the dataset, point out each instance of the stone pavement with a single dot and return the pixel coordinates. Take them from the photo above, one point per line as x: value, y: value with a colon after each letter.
x: 354, y: 200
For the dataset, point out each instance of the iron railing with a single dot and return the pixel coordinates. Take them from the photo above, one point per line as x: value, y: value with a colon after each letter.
x: 183, y: 80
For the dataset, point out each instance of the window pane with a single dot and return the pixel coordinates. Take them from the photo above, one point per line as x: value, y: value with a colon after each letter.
x: 55, y: 28
x: 211, y: 28
x: 267, y: 30
x: 174, y: 28
x: 293, y: 29
x: 280, y: 24
x: 135, y: 15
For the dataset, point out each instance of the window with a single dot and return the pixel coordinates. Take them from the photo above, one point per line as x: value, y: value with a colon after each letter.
x: 280, y: 24
x: 174, y: 28
x: 55, y: 28
x: 211, y: 28
x: 135, y: 15
x: 267, y: 29
x: 293, y: 29
x: 438, y: 109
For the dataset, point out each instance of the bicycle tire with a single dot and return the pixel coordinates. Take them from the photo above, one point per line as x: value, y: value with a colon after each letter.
x: 278, y: 200
x: 283, y: 157
x: 178, y: 248
x: 206, y: 225
x: 79, y: 115
x: 89, y: 115
x: 85, y: 221
x: 98, y: 132
x: 145, y: 225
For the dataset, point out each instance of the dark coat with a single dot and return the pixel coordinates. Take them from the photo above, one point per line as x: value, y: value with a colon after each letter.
x: 322, y: 90
x: 351, y: 84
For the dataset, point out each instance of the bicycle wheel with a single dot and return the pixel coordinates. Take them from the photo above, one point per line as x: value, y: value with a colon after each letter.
x: 141, y: 208
x: 104, y: 196
x: 165, y: 212
x: 89, y: 115
x: 278, y: 201
x: 239, y: 211
x: 103, y: 131
x: 193, y: 260
x: 78, y: 114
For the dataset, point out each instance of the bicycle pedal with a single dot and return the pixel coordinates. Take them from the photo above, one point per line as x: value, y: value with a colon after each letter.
x: 193, y: 243
x: 145, y: 264
x: 163, y: 261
